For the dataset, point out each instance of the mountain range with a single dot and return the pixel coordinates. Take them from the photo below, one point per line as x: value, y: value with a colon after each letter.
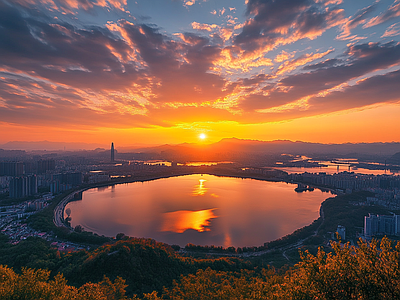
x: 234, y: 145
x: 224, y: 146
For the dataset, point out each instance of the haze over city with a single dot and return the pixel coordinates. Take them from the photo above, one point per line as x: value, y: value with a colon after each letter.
x: 197, y: 71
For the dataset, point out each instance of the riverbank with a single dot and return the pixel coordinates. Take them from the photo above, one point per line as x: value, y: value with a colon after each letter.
x: 257, y: 241
x: 334, y: 211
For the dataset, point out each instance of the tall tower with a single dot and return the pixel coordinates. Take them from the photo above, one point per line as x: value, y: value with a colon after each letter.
x: 112, y: 152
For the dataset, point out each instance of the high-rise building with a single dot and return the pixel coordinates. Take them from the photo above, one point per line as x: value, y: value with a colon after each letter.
x: 112, y: 152
x: 341, y: 230
x: 11, y: 168
x: 44, y: 165
x: 381, y: 224
x: 73, y: 179
x: 24, y: 186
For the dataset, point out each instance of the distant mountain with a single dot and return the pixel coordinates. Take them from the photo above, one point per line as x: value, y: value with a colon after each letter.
x: 61, y: 146
x: 395, y: 158
x: 234, y: 145
x: 50, y: 146
x: 225, y: 148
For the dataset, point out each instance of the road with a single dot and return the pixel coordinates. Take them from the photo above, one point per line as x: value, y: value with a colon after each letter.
x: 58, y: 218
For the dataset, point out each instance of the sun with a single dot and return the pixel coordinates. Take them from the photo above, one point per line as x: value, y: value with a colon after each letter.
x: 202, y: 136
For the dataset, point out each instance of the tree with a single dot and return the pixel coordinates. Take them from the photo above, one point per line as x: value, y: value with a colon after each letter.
x: 78, y: 228
x: 120, y: 236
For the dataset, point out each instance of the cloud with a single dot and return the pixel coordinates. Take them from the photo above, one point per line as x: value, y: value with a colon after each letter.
x: 361, y: 59
x: 323, y: 65
x: 206, y: 27
x: 288, y: 66
x: 189, y: 2
x: 392, y: 12
x: 284, y: 22
x: 131, y: 74
x: 65, y: 54
x: 126, y: 69
x: 284, y: 56
x: 365, y: 93
x: 357, y: 61
x: 72, y: 6
x: 234, y: 58
x: 392, y: 30
x: 373, y: 90
x: 181, y: 70
x: 357, y: 19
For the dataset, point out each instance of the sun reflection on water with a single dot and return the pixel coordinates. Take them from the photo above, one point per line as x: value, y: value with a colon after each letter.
x: 200, y: 189
x: 181, y: 220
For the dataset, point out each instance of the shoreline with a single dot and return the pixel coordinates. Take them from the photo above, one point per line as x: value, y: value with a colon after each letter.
x: 59, y: 209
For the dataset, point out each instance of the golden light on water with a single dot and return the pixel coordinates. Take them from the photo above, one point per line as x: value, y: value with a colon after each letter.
x: 197, y: 209
x: 181, y: 220
x: 200, y: 189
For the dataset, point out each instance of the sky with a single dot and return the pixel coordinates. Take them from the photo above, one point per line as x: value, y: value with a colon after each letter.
x: 167, y: 71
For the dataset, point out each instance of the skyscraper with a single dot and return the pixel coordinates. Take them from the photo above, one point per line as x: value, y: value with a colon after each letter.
x: 112, y: 152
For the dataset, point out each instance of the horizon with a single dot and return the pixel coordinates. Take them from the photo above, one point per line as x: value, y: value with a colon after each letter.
x: 32, y: 146
x: 176, y: 72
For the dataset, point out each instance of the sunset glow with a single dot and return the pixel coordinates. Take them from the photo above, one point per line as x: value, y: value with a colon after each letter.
x: 179, y: 221
x: 199, y: 71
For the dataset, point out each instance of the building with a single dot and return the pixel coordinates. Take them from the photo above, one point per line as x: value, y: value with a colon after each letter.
x: 23, y: 186
x: 98, y: 176
x: 381, y: 224
x: 112, y: 152
x: 11, y: 168
x: 341, y: 230
x: 44, y: 165
x: 73, y: 179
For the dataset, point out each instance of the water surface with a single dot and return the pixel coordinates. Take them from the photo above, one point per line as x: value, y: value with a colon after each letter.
x: 198, y: 209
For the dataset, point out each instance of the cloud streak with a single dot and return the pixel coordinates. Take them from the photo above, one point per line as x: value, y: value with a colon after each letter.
x: 278, y: 63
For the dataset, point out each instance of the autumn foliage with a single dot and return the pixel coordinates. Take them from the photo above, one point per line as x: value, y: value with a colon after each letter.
x: 367, y: 271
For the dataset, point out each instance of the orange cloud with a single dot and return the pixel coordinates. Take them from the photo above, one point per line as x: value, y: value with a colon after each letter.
x: 284, y: 56
x: 207, y: 27
x: 236, y: 58
x: 392, y: 30
x: 189, y: 2
x: 392, y: 12
x: 288, y: 66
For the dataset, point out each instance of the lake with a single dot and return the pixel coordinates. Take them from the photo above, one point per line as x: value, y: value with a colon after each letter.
x: 198, y: 209
x: 334, y: 168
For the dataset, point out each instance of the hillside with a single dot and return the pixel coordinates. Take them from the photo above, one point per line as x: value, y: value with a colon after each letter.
x: 145, y: 264
x: 368, y: 271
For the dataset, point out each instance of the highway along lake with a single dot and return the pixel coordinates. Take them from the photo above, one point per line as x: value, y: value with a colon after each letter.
x: 197, y: 209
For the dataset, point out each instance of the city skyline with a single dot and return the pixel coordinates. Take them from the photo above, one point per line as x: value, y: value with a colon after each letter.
x: 153, y: 72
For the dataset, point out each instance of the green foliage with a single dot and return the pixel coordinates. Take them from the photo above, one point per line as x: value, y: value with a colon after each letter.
x: 43, y: 220
x: 32, y: 252
x: 367, y: 271
x: 339, y: 210
x: 145, y: 264
x: 297, y: 235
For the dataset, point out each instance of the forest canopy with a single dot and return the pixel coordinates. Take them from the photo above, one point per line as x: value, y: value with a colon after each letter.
x: 366, y: 271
